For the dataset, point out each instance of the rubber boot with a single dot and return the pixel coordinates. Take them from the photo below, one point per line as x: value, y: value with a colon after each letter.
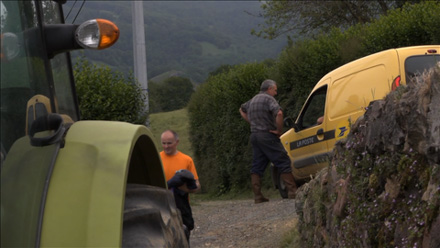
x: 289, y: 181
x: 256, y: 187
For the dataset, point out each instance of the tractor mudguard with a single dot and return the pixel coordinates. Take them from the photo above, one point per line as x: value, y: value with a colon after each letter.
x: 85, y: 200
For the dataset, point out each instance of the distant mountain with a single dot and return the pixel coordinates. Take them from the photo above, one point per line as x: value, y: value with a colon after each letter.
x: 194, y: 37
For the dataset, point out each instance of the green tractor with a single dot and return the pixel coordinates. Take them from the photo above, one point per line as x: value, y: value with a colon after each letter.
x: 66, y: 182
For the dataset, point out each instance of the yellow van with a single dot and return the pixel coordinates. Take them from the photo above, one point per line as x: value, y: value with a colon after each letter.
x: 340, y: 97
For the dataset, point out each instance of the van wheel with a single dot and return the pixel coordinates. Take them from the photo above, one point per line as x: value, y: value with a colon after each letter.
x: 278, y: 182
x: 151, y: 218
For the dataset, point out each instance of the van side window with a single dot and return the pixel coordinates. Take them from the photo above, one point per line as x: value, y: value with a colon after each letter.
x: 416, y: 65
x: 314, y: 109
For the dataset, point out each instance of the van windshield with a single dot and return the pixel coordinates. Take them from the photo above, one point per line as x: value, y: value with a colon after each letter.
x: 416, y: 65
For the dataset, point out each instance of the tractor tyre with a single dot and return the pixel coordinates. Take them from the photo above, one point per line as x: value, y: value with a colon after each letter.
x: 151, y: 218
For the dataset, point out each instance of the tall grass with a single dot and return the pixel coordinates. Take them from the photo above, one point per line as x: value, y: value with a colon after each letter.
x: 176, y: 120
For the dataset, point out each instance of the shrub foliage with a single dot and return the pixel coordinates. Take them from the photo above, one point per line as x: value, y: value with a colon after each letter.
x: 104, y: 94
x: 172, y: 94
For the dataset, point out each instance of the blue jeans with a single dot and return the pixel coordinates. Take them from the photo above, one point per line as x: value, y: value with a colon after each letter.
x: 267, y: 147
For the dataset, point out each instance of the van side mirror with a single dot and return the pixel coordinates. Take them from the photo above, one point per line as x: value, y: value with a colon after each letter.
x: 295, y: 127
x: 288, y: 122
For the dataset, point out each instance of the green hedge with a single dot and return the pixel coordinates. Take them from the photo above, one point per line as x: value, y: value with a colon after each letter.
x: 172, y: 94
x: 104, y: 94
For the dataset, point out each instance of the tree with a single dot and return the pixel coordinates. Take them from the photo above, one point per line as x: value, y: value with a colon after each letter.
x: 171, y: 94
x: 310, y: 17
x: 221, y: 69
x: 154, y: 91
x: 104, y: 94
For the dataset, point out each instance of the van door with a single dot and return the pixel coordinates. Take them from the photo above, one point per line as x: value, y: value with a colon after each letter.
x: 307, y: 144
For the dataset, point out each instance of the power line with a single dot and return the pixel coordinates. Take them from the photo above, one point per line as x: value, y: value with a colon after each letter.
x: 80, y: 8
x: 71, y: 8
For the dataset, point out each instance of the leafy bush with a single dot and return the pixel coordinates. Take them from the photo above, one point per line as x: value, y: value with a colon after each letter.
x: 172, y: 94
x: 104, y: 94
x: 412, y: 25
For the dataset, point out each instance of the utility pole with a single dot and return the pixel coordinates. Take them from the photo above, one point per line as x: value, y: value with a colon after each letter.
x: 139, y: 54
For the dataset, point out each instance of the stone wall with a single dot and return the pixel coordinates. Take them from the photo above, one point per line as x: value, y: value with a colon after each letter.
x: 382, y: 187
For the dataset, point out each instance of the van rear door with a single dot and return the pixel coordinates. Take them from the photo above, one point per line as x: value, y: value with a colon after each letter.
x: 417, y: 60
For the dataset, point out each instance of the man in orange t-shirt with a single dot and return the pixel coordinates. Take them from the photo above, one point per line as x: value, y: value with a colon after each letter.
x: 174, y: 161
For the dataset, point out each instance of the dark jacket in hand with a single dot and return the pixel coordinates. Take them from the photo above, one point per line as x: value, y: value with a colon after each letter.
x: 182, y: 177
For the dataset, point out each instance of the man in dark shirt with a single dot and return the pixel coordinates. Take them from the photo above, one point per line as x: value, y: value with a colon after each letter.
x: 265, y: 117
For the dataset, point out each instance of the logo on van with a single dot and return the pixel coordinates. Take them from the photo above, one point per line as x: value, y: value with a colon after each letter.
x: 343, y: 130
x: 311, y: 140
x: 306, y: 141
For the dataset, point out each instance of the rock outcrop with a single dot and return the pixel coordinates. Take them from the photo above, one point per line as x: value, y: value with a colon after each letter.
x: 382, y: 187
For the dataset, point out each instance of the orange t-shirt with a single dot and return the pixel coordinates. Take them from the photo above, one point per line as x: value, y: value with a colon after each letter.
x: 179, y: 161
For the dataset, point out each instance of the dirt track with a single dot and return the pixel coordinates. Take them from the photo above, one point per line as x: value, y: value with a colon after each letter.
x: 241, y: 223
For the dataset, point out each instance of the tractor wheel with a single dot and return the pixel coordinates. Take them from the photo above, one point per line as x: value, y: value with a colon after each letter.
x: 151, y: 218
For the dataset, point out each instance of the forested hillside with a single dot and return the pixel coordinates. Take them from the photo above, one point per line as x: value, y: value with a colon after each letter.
x: 194, y: 37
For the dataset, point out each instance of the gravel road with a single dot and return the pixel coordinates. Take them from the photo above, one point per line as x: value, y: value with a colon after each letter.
x: 241, y: 223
